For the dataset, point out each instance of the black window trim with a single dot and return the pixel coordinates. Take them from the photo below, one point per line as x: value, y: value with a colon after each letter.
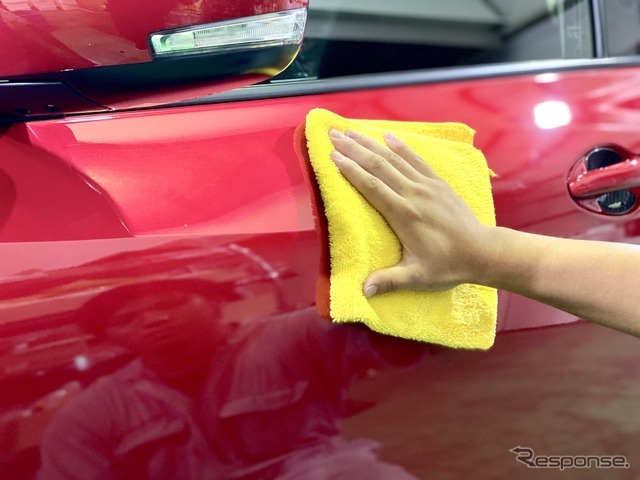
x: 296, y: 88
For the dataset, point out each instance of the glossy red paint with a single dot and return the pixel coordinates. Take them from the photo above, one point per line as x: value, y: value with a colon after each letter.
x: 239, y: 152
x: 621, y: 176
x: 43, y: 199
x: 215, y: 195
x: 43, y: 36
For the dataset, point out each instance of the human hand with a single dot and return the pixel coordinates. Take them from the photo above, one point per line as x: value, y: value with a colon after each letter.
x: 443, y: 243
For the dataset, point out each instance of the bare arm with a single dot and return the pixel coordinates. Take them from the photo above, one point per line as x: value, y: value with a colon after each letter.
x: 597, y: 281
x: 445, y: 245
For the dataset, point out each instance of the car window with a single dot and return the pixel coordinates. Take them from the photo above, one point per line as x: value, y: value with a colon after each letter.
x: 369, y: 36
x: 622, y: 18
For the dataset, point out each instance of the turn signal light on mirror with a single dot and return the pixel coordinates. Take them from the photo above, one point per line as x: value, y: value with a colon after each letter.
x: 259, y: 31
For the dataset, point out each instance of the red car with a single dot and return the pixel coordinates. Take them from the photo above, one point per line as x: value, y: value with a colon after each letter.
x: 160, y: 261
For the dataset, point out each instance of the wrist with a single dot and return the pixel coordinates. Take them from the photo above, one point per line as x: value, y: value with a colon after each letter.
x: 488, y: 254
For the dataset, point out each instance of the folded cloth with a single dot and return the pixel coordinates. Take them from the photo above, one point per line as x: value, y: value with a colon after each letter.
x: 360, y: 241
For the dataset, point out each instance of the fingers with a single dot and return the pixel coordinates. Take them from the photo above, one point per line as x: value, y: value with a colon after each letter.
x: 406, y: 168
x: 375, y: 191
x: 387, y: 280
x: 409, y: 156
x: 374, y: 158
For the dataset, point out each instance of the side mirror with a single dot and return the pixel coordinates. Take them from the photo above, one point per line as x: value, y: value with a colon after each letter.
x: 74, y: 56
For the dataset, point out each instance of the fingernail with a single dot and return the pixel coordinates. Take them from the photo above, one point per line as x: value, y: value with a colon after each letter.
x: 370, y: 291
x: 333, y: 133
x: 352, y: 134
x: 390, y: 137
x: 337, y: 156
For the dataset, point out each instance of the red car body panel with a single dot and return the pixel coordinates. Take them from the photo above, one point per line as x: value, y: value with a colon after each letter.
x: 216, y: 192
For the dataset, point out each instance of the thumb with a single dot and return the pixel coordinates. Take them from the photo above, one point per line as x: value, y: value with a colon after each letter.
x: 386, y: 280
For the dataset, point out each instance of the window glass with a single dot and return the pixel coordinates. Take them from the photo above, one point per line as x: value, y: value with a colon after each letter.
x: 622, y: 18
x: 366, y: 36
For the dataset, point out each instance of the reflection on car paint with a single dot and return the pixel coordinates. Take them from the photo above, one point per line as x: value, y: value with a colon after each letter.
x: 177, y: 361
x: 199, y: 400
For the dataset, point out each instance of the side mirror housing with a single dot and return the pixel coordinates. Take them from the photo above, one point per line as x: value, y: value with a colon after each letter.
x: 79, y: 56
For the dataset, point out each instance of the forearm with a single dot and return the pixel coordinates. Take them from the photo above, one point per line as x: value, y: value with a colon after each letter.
x: 597, y: 281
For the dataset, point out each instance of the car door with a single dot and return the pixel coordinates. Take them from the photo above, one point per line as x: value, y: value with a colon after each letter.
x: 146, y: 195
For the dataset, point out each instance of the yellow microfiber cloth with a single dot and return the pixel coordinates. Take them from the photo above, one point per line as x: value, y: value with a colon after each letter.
x: 361, y: 241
